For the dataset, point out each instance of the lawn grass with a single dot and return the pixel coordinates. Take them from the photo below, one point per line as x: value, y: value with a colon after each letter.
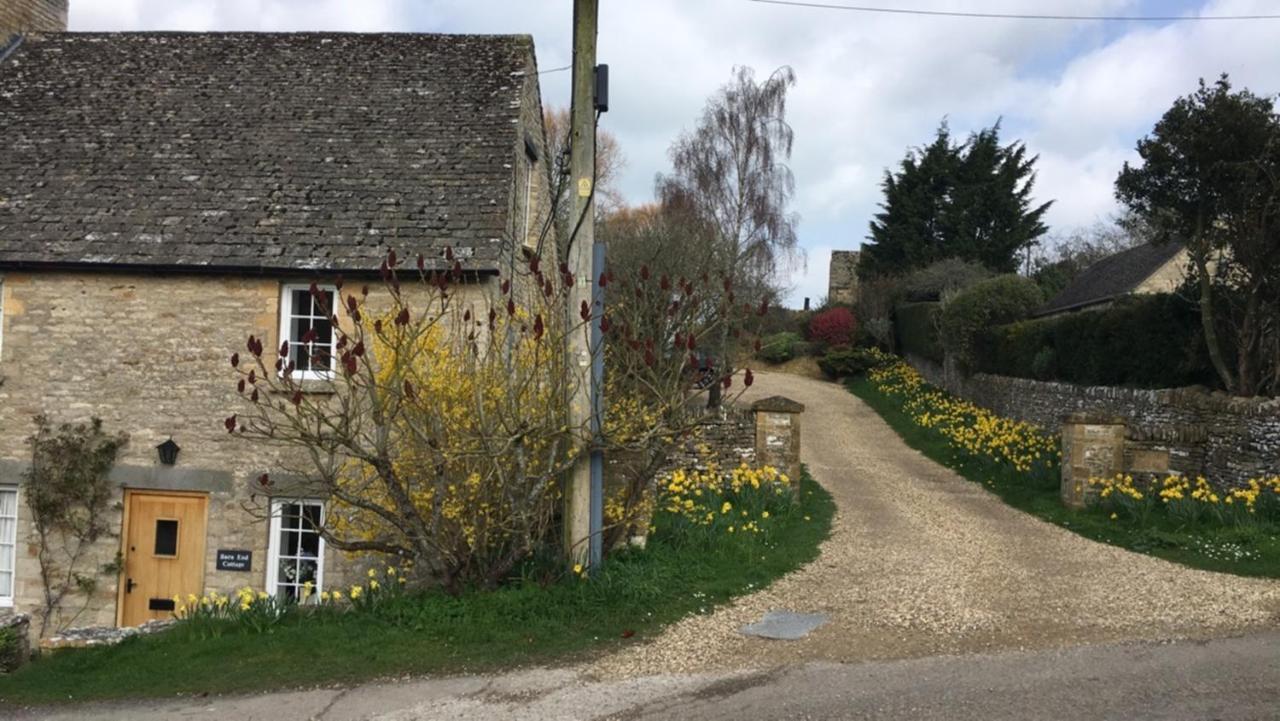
x: 1244, y: 551
x: 634, y: 595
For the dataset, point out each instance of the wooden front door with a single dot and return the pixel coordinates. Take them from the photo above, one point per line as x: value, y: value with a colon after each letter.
x: 163, y: 553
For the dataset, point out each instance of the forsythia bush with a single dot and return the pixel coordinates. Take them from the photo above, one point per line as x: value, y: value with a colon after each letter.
x: 1189, y: 500
x: 972, y: 430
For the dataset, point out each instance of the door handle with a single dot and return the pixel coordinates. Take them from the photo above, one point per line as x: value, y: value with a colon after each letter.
x: 128, y: 585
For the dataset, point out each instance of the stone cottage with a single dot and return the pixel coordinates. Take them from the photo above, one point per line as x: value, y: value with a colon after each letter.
x: 165, y: 195
x: 1144, y: 269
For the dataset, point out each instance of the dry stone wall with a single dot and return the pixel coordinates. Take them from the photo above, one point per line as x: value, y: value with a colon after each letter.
x: 1183, y: 430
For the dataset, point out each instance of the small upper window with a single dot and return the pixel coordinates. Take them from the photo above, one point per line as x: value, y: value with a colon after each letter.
x: 306, y: 322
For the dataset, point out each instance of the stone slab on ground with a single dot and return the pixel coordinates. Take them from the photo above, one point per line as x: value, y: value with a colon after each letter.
x: 784, y: 625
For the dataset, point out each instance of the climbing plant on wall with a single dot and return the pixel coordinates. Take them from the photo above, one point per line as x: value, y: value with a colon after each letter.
x: 70, y: 497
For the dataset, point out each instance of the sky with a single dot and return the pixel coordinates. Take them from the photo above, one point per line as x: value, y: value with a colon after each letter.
x: 869, y: 86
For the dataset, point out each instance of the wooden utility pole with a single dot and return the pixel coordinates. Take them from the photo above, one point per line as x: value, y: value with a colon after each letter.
x: 583, y: 496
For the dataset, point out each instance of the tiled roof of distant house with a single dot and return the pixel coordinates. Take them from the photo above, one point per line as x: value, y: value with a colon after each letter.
x: 257, y: 151
x: 1112, y: 277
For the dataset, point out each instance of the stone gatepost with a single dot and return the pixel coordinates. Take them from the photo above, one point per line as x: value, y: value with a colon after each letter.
x: 778, y: 435
x: 15, y: 641
x: 1092, y: 447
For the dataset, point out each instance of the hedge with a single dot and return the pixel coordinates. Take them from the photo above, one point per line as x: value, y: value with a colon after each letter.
x: 915, y: 325
x: 1150, y: 341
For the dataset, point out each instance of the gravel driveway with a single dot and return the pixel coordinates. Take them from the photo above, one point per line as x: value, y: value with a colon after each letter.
x: 923, y: 562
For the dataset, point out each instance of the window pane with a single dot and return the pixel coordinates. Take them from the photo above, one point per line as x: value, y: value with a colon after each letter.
x: 311, y: 514
x: 8, y: 528
x: 289, y: 547
x: 301, y: 302
x: 307, y: 572
x: 166, y: 537
x: 288, y: 571
x: 289, y: 515
x: 6, y: 583
x: 310, y: 545
x: 8, y: 503
x: 6, y: 558
x: 323, y: 306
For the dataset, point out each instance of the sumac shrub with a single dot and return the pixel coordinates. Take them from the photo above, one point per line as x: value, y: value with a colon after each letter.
x: 833, y: 327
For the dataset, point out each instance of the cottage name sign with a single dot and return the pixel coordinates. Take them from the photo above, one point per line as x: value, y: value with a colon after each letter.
x: 234, y: 560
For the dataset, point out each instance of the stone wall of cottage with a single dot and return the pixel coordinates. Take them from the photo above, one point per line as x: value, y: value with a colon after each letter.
x: 33, y: 15
x: 149, y: 356
x: 1184, y: 430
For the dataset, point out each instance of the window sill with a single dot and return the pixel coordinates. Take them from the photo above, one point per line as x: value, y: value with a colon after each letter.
x: 6, y: 603
x: 311, y: 387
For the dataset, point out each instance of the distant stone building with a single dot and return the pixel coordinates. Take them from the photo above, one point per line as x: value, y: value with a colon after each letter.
x: 31, y: 16
x: 1141, y: 270
x: 842, y: 277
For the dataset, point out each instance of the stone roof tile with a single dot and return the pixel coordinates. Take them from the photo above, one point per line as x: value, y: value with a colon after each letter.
x: 257, y: 150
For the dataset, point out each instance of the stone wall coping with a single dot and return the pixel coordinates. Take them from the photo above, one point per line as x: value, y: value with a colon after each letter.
x: 1197, y: 395
x: 14, y: 620
x: 777, y: 404
x: 1095, y: 418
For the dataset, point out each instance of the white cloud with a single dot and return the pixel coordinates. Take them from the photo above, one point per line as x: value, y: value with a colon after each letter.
x: 869, y: 86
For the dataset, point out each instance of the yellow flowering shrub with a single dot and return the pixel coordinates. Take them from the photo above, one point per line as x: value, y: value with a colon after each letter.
x: 442, y: 433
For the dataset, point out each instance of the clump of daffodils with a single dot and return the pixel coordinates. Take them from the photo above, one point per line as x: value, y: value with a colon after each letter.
x: 1187, y: 499
x: 744, y: 500
x: 972, y: 430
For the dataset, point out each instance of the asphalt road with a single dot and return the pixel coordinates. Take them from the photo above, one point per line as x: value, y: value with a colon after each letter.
x: 1229, y: 679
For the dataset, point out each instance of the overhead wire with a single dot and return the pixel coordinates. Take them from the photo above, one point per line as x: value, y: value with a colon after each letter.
x: 1010, y: 16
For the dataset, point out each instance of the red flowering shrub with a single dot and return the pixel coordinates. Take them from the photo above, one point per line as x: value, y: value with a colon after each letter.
x: 832, y: 327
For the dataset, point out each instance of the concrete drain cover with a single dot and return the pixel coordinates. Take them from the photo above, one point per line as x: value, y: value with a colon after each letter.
x: 785, y: 625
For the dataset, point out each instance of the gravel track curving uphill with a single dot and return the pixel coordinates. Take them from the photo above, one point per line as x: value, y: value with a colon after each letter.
x: 922, y: 562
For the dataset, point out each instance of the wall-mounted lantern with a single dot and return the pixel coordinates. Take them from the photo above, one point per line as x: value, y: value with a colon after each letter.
x: 168, y: 452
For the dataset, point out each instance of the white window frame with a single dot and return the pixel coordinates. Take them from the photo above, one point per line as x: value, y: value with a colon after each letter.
x: 273, y: 545
x: 12, y: 544
x: 1, y: 317
x: 286, y: 317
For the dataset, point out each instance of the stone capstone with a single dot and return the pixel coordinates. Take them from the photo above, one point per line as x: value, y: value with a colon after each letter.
x: 15, y: 645
x: 102, y: 635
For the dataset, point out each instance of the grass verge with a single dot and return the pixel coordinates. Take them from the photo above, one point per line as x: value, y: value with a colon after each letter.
x: 1244, y: 551
x: 634, y: 596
